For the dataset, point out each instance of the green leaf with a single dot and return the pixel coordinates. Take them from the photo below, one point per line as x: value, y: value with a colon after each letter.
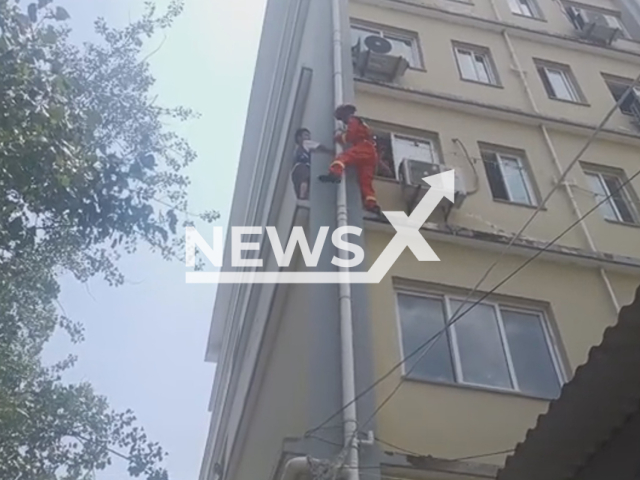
x: 61, y: 14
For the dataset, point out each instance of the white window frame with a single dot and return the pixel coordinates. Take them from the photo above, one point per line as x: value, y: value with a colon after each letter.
x: 516, y: 8
x: 551, y: 341
x: 568, y: 83
x: 396, y: 137
x: 487, y: 60
x: 524, y: 174
x: 415, y: 62
x: 594, y: 172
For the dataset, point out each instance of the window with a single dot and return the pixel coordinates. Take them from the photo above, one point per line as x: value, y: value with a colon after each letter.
x: 508, y: 177
x: 404, y: 44
x: 617, y: 87
x: 475, y: 64
x: 492, y: 345
x: 558, y: 81
x: 526, y: 8
x: 393, y: 148
x: 599, y: 16
x: 621, y: 204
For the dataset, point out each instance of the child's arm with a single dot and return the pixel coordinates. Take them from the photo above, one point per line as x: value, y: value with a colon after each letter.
x: 317, y: 146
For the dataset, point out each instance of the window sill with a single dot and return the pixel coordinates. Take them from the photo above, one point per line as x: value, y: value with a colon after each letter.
x: 479, y: 388
x: 571, y: 102
x: 518, y: 204
x: 539, y: 19
x: 494, y: 85
x: 462, y: 2
x: 623, y: 224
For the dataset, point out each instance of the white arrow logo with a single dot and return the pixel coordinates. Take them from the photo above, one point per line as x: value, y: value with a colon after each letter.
x: 407, y: 236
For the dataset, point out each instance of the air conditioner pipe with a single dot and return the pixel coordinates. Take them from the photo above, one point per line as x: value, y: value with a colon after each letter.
x: 554, y: 156
x: 349, y: 413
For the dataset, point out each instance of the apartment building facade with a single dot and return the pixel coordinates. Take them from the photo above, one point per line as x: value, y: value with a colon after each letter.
x: 508, y: 93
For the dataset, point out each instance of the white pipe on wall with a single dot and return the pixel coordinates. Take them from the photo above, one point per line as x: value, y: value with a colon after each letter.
x: 554, y: 156
x: 349, y: 414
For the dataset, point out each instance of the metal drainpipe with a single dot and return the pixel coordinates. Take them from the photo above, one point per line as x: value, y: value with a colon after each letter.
x: 554, y: 156
x: 346, y: 326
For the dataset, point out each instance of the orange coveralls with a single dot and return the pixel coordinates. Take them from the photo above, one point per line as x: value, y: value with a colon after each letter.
x: 362, y: 154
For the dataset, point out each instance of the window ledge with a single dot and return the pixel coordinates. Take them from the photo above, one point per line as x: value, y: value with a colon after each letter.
x: 518, y: 204
x: 494, y: 85
x: 570, y: 102
x: 623, y: 224
x: 480, y: 388
x: 464, y: 2
x: 539, y: 19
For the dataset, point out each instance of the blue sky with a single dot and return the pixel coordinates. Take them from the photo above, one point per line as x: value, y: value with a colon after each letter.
x: 145, y: 341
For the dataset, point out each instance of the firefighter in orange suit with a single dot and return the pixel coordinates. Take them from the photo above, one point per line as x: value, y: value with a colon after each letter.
x: 362, y: 154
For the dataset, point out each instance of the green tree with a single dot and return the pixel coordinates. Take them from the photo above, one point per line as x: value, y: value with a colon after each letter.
x: 89, y: 169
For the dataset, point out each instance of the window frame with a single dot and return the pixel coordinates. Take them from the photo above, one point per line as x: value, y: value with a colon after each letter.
x: 611, y: 80
x: 523, y: 166
x: 627, y: 193
x: 533, y: 6
x: 568, y: 77
x: 391, y: 34
x: 615, y: 14
x: 485, y: 53
x: 551, y: 341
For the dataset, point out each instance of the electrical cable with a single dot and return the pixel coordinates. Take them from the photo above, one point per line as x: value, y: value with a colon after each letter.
x: 456, y: 317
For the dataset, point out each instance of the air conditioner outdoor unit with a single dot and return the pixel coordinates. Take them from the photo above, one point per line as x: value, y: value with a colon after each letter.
x: 594, y: 25
x: 377, y: 57
x: 412, y: 172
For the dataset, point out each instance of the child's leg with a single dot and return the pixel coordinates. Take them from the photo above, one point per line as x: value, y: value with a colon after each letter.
x: 304, y: 191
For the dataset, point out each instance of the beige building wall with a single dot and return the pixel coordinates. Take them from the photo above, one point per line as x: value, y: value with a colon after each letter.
x: 450, y: 421
x: 282, y: 393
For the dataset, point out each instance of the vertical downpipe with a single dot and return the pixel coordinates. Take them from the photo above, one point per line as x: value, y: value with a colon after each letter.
x: 554, y: 156
x: 346, y: 325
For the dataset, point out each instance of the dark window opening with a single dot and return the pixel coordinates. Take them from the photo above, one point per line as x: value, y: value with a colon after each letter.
x: 617, y: 91
x: 385, y: 153
x: 494, y: 174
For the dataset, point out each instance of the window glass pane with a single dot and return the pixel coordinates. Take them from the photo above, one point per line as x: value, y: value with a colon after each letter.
x: 619, y: 199
x: 494, y: 175
x: 467, y: 69
x: 530, y: 354
x: 560, y: 85
x: 600, y: 192
x: 482, y: 68
x: 514, y: 178
x: 421, y: 318
x: 482, y: 356
x: 515, y: 6
x: 525, y: 8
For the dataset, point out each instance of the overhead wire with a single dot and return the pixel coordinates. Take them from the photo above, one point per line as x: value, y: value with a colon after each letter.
x: 457, y: 317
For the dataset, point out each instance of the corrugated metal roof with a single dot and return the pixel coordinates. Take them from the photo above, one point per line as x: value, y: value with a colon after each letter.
x: 600, y: 397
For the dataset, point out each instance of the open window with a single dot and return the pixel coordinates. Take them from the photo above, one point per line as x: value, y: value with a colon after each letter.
x: 618, y: 87
x: 596, y: 24
x: 508, y: 176
x: 559, y: 81
x: 383, y: 53
x: 393, y: 148
x: 619, y: 201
